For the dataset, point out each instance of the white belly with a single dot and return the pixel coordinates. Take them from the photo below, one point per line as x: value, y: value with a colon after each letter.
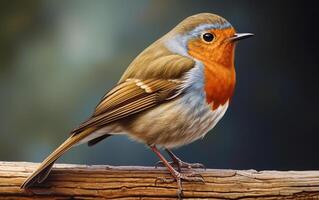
x: 177, y: 123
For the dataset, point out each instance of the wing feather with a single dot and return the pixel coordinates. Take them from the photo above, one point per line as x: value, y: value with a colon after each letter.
x: 128, y: 98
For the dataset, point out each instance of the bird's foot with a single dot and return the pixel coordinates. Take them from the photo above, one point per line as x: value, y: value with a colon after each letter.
x: 181, y: 164
x: 178, y: 177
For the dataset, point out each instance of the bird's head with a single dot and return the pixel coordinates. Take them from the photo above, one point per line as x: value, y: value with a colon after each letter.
x: 206, y: 37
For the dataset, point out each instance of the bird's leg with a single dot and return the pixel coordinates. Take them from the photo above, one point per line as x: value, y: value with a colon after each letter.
x: 179, y: 163
x: 176, y: 175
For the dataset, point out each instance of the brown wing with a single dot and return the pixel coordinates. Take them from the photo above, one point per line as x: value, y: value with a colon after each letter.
x: 128, y: 98
x: 154, y: 76
x: 158, y: 63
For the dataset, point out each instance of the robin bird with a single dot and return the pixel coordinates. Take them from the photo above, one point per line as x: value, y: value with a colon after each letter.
x: 172, y: 94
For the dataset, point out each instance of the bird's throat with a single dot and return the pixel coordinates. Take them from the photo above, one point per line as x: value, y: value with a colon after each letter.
x: 219, y: 73
x: 219, y: 83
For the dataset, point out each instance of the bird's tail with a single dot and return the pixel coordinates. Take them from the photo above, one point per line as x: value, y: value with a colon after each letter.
x: 45, y: 167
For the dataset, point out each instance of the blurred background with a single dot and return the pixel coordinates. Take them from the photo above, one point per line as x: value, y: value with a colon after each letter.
x: 58, y: 58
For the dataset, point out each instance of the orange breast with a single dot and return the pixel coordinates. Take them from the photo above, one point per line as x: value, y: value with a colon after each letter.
x: 219, y: 84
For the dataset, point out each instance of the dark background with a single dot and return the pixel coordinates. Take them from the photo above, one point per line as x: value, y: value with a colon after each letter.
x: 57, y: 58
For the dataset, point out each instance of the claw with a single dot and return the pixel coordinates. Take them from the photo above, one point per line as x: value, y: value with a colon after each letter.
x: 182, y: 165
x: 178, y: 177
x: 196, y: 177
x: 192, y: 165
x: 162, y: 180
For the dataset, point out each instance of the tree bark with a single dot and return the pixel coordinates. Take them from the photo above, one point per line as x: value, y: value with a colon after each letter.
x: 108, y: 182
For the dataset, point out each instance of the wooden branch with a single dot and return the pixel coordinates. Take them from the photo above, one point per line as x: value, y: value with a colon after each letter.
x: 108, y: 182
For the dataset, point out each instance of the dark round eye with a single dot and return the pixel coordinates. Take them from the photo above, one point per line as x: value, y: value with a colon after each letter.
x: 208, y: 37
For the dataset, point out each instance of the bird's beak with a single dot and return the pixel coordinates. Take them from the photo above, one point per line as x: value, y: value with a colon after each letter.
x: 240, y: 36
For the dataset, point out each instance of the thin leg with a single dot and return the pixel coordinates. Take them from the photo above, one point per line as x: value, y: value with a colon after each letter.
x: 179, y: 163
x: 176, y: 175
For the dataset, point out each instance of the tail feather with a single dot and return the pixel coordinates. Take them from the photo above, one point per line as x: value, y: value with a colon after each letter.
x: 42, y: 172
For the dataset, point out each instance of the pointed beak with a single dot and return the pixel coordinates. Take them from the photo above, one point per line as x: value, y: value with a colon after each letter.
x: 240, y: 36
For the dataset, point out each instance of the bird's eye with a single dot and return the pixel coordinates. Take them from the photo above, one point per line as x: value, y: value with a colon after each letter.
x: 208, y: 37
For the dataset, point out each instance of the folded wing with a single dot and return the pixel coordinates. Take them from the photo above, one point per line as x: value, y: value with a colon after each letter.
x: 131, y: 97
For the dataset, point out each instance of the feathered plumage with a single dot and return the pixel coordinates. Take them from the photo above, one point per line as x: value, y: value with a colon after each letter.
x: 172, y: 93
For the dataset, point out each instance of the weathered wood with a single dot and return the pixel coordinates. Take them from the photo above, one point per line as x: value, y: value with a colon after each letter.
x: 109, y: 182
